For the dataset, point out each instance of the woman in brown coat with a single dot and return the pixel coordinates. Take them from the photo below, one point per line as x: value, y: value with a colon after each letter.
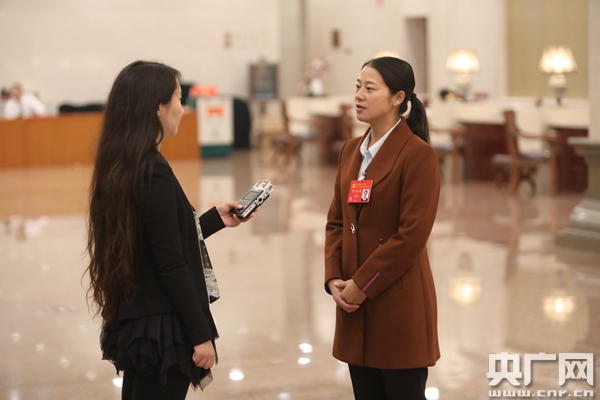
x: 376, y: 263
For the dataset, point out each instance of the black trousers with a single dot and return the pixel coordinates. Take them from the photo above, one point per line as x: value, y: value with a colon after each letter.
x: 388, y: 384
x: 138, y: 386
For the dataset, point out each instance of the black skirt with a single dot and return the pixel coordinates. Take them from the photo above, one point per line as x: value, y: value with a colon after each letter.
x: 153, y: 346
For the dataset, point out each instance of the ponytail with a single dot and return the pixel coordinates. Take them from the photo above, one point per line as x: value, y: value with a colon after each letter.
x: 417, y: 119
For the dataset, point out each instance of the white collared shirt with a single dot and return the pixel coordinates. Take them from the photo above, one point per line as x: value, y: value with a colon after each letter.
x: 368, y: 153
x: 27, y: 106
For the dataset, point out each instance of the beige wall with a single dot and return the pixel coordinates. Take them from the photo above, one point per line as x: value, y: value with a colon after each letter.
x: 366, y: 27
x: 72, y: 50
x: 534, y: 24
x: 291, y: 30
x: 594, y: 69
x: 476, y: 25
x: 370, y: 26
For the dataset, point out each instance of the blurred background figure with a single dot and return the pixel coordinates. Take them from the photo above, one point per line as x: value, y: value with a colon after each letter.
x: 449, y: 95
x: 23, y: 104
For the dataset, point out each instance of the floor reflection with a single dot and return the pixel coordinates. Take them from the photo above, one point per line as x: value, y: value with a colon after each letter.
x: 502, y: 286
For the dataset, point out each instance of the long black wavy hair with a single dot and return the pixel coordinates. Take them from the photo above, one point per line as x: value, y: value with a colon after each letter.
x: 127, y: 145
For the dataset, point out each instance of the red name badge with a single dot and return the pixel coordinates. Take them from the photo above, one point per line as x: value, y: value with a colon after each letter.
x: 360, y: 191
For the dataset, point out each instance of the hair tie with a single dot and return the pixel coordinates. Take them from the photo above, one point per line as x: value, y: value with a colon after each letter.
x: 408, y: 107
x: 413, y: 96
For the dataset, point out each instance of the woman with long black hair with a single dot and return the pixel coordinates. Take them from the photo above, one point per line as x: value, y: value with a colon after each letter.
x: 376, y: 264
x: 147, y: 274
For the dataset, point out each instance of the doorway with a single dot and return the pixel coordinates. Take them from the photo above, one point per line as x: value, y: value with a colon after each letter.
x: 416, y: 52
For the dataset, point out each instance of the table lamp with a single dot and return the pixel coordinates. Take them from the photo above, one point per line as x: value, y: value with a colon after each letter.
x: 462, y: 62
x: 557, y: 61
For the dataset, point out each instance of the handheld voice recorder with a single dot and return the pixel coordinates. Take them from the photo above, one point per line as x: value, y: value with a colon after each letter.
x: 253, y: 199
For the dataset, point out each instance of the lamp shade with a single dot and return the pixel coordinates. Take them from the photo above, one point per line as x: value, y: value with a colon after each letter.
x: 557, y: 60
x: 462, y: 62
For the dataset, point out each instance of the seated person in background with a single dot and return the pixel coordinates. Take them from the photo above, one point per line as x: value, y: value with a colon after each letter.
x: 449, y: 95
x: 23, y: 104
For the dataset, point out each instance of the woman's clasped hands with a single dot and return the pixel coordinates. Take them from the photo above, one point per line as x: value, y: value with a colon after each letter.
x: 346, y: 294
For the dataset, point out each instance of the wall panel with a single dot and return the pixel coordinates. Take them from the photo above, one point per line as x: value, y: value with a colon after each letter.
x: 534, y: 24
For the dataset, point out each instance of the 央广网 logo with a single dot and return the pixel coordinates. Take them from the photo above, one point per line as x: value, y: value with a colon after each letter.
x: 571, y: 366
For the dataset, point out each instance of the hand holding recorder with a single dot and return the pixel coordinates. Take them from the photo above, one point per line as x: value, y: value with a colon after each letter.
x: 253, y: 199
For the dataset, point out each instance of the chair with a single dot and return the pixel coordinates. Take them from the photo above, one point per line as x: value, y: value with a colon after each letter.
x: 345, y: 128
x: 517, y: 166
x: 289, y: 144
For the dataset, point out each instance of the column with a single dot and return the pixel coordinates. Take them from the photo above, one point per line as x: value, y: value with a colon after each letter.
x: 583, y: 230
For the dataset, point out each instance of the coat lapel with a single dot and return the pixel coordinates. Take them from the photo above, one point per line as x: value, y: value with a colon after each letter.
x: 380, y: 166
x: 384, y: 160
x: 349, y: 174
x: 354, y: 167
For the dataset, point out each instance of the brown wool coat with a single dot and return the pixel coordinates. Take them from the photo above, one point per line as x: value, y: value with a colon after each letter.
x: 396, y: 326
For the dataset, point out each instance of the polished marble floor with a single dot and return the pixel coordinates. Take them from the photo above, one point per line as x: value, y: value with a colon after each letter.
x: 503, y: 286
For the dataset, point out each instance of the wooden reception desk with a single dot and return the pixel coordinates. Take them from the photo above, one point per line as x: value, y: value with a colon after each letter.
x: 71, y: 138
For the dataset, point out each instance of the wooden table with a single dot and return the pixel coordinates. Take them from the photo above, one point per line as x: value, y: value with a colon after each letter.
x: 572, y: 168
x: 71, y: 139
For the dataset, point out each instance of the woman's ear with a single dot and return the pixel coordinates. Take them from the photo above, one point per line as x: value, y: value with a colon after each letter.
x: 398, y: 98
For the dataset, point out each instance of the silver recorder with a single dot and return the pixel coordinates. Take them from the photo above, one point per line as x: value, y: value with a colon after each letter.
x: 253, y: 199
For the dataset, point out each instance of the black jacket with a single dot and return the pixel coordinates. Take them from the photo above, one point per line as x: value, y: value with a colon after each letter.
x: 169, y: 272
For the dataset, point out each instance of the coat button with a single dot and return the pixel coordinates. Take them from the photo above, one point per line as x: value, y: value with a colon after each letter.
x: 352, y: 228
x: 380, y: 240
